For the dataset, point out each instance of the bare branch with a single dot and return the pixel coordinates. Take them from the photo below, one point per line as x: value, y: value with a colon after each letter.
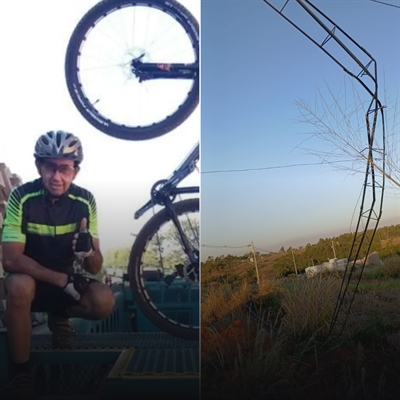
x: 339, y: 125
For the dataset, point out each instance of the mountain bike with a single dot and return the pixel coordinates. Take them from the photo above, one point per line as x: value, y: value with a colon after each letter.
x: 173, y: 251
x: 132, y: 67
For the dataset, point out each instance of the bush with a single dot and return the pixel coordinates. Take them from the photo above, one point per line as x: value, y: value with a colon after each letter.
x: 391, y: 267
x: 373, y: 332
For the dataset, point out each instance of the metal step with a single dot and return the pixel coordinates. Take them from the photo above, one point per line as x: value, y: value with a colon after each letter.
x: 121, y: 340
x: 144, y: 364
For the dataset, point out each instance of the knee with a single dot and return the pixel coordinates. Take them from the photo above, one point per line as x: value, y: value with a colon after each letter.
x: 20, y: 290
x: 102, y: 301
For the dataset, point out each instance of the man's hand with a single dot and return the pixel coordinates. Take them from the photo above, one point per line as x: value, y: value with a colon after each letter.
x: 76, y: 286
x: 82, y: 243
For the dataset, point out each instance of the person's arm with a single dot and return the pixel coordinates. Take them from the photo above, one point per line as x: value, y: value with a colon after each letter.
x: 93, y: 259
x: 13, y: 247
x: 15, y: 261
x: 94, y: 263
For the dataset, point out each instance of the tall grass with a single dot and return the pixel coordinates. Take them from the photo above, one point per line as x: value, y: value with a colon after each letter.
x: 227, y: 302
x: 221, y: 302
x: 308, y: 306
x: 270, y: 341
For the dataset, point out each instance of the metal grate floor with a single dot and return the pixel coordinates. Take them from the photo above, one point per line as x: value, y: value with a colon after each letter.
x: 101, y: 364
x: 168, y: 362
x: 64, y: 379
x: 118, y: 341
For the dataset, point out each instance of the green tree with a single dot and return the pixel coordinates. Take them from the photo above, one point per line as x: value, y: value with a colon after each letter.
x: 117, y: 258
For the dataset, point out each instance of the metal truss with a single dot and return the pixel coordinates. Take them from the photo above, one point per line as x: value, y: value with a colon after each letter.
x: 374, y: 182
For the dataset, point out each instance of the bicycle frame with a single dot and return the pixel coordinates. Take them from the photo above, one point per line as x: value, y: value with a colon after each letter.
x: 168, y: 188
x: 148, y: 71
x: 164, y: 192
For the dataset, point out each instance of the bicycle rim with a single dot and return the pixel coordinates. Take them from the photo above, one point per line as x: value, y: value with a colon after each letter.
x: 172, y: 308
x: 98, y: 67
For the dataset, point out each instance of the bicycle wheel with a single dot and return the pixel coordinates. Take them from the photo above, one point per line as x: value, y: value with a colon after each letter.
x: 158, y: 300
x: 132, y: 67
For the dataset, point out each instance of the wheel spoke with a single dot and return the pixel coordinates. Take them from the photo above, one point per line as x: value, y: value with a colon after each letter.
x: 113, y: 34
x: 178, y: 277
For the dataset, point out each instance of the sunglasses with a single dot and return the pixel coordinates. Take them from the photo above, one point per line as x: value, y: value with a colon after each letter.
x: 65, y: 170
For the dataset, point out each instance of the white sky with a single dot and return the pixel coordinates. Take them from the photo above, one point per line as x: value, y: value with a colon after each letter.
x: 34, y: 99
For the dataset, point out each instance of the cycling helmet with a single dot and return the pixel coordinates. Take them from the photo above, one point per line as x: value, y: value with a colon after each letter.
x: 59, y: 144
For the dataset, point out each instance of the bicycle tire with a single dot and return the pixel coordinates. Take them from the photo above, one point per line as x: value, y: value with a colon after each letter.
x: 134, y: 271
x: 89, y: 112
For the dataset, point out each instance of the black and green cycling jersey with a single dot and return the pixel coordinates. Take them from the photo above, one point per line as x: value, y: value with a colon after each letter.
x: 46, y: 226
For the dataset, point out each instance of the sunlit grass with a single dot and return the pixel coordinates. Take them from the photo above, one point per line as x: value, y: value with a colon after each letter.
x: 272, y: 341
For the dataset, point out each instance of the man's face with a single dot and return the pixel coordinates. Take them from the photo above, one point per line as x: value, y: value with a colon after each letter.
x: 57, y: 175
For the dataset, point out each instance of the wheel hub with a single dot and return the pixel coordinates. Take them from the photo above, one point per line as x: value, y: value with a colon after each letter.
x: 131, y: 61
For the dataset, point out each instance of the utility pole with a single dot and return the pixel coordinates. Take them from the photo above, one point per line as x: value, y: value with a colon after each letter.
x: 334, y: 252
x: 255, y: 263
x: 294, y: 262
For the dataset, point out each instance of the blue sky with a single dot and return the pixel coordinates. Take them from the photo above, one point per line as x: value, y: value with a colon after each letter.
x: 255, y: 65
